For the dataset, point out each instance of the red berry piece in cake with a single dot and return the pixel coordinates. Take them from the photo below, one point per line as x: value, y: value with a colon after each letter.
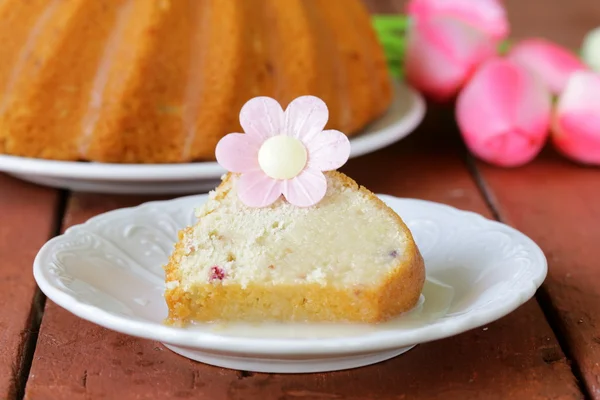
x: 216, y: 274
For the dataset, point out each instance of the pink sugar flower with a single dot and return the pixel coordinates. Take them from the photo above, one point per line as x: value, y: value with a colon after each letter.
x: 283, y: 153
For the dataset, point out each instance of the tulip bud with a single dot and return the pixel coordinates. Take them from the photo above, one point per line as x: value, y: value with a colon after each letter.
x: 447, y: 40
x: 441, y: 54
x: 504, y: 113
x: 487, y: 16
x: 576, y: 122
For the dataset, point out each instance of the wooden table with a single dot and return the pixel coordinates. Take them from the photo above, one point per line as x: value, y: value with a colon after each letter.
x: 548, y: 349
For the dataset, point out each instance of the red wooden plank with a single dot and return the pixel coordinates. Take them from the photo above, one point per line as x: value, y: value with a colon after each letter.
x: 26, y: 222
x: 516, y: 357
x: 564, y: 22
x: 556, y: 203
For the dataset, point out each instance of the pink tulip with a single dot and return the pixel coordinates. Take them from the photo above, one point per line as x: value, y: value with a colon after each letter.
x: 487, y: 16
x: 441, y: 54
x: 576, y: 123
x: 448, y: 40
x: 553, y: 63
x: 504, y: 113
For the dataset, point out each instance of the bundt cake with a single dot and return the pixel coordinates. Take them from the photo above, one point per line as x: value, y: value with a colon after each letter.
x: 286, y: 237
x: 158, y: 81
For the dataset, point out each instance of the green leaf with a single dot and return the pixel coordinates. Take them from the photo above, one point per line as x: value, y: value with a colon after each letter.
x: 391, y: 32
x: 390, y: 22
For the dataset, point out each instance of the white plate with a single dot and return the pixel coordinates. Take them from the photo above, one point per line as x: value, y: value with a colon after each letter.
x: 108, y: 271
x: 404, y: 115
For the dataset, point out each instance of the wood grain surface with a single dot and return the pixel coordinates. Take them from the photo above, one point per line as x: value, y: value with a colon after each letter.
x: 557, y: 204
x: 563, y: 21
x: 517, y: 357
x: 26, y: 222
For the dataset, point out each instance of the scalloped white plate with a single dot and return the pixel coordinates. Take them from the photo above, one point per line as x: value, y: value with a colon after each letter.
x: 405, y: 114
x: 109, y: 271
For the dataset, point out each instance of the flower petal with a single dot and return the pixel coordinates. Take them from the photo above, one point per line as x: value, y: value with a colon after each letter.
x: 504, y: 113
x: 553, y: 63
x: 256, y: 189
x: 487, y: 16
x: 581, y: 94
x: 441, y: 55
x: 306, y: 189
x: 305, y: 117
x: 328, y: 150
x: 576, y: 131
x: 262, y: 117
x: 238, y: 152
x: 577, y: 137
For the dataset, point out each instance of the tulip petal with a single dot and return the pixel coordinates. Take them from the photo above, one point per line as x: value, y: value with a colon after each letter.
x: 577, y: 119
x: 262, y: 117
x: 256, y: 189
x: 575, y: 137
x: 328, y: 150
x: 441, y: 55
x: 306, y: 189
x: 305, y: 117
x: 487, y: 16
x: 238, y: 152
x: 504, y: 113
x: 581, y: 94
x: 553, y: 63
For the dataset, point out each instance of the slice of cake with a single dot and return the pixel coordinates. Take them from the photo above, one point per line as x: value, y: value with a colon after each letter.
x: 348, y: 258
x: 287, y: 238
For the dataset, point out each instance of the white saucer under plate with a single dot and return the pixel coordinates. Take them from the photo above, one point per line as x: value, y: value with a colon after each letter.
x: 405, y: 114
x: 108, y: 271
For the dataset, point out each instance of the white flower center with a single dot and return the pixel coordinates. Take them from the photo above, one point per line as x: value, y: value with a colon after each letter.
x: 282, y: 157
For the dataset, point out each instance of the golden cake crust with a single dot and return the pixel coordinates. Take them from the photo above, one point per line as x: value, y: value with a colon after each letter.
x: 398, y: 292
x: 162, y: 81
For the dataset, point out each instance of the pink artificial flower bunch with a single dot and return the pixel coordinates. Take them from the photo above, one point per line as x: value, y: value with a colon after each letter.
x: 504, y: 103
